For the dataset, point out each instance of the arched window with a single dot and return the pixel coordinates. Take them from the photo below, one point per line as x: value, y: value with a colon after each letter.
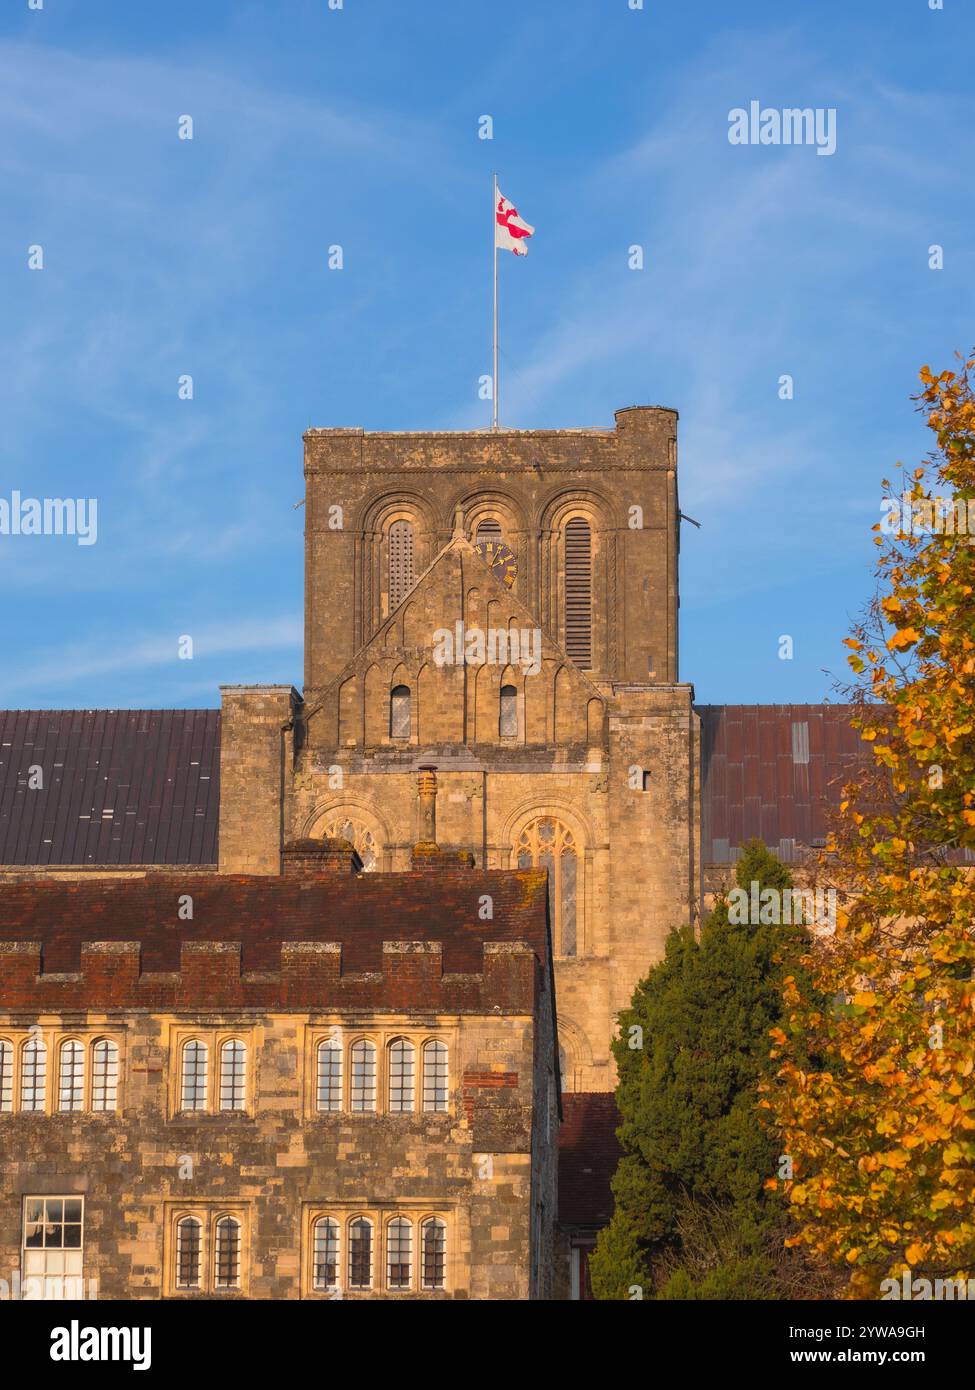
x: 433, y: 1243
x: 6, y: 1076
x: 488, y: 530
x: 508, y: 714
x: 548, y: 844
x: 325, y: 1273
x: 330, y: 1074
x: 189, y: 1243
x: 577, y: 550
x: 402, y: 1076
x: 360, y: 1253
x: 343, y: 827
x: 104, y: 1075
x: 226, y: 1254
x: 399, y: 1253
x: 33, y: 1075
x: 233, y: 1064
x: 402, y: 566
x: 435, y: 1076
x: 71, y: 1079
x: 193, y: 1082
x: 400, y: 718
x: 363, y: 1090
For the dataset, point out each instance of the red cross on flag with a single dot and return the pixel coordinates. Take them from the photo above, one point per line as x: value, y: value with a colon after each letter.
x: 511, y: 233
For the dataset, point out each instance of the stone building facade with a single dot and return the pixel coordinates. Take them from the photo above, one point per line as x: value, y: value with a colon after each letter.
x: 320, y: 1085
x: 501, y: 607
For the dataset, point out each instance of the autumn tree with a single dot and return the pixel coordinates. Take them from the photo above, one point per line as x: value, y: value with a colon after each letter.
x: 692, y: 1215
x: 880, y: 1124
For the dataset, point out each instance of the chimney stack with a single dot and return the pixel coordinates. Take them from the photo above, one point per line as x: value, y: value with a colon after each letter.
x: 312, y: 858
x: 427, y: 854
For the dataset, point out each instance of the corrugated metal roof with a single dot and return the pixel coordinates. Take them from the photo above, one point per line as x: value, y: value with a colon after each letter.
x: 116, y: 786
x: 771, y: 772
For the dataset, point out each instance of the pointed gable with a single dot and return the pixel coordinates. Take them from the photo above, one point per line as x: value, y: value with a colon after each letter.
x: 454, y: 643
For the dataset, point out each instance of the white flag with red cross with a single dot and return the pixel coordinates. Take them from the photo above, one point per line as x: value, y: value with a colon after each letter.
x: 511, y: 232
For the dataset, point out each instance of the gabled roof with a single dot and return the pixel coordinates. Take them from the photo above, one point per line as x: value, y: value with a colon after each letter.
x: 116, y: 786
x: 444, y: 566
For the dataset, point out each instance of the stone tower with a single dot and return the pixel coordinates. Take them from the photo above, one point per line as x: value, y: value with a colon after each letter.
x: 491, y: 646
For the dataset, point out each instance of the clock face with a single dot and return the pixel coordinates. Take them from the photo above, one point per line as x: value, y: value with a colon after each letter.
x: 501, y: 559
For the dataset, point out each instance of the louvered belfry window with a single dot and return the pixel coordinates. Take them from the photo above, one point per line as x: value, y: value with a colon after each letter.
x: 578, y: 592
x: 488, y: 530
x: 402, y: 573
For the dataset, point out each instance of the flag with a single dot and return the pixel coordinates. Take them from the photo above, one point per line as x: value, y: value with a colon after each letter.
x: 510, y: 232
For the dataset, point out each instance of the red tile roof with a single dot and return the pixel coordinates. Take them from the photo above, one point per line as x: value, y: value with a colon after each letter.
x: 588, y: 1154
x: 119, y: 786
x: 261, y: 911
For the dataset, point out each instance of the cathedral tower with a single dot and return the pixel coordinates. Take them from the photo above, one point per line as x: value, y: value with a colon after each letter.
x: 500, y: 608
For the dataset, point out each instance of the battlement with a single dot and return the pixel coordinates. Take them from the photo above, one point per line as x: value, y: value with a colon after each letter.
x: 311, y: 975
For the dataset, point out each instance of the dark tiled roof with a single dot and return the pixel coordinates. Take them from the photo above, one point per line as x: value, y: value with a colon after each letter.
x: 771, y: 772
x: 588, y: 1154
x: 119, y: 786
x: 260, y: 911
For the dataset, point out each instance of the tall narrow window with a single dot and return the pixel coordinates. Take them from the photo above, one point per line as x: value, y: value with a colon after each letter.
x: 435, y: 1076
x: 360, y: 1254
x: 330, y: 1074
x: 399, y: 1253
x: 233, y: 1063
x: 104, y: 1075
x: 402, y: 1070
x: 189, y: 1243
x: 325, y: 1274
x: 402, y: 573
x: 508, y: 717
x: 548, y: 844
x: 71, y: 1082
x: 363, y: 1095
x: 6, y: 1076
x: 193, y: 1090
x: 578, y: 592
x: 433, y: 1236
x: 52, y: 1253
x: 226, y: 1256
x: 400, y: 721
x: 33, y: 1075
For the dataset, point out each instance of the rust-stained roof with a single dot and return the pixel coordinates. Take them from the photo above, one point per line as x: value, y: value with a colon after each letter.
x: 770, y: 772
x: 588, y: 1154
x: 116, y: 786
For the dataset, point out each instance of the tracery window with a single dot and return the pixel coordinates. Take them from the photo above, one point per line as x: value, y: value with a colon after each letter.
x: 363, y: 841
x: 548, y: 844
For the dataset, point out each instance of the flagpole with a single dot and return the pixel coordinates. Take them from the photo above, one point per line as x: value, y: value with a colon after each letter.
x: 494, y: 252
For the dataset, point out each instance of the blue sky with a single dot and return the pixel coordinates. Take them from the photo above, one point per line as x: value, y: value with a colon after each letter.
x: 359, y: 126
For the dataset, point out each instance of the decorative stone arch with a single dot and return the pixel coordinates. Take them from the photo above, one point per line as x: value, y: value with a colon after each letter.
x: 600, y: 513
x: 575, y: 1052
x: 373, y: 524
x: 370, y: 831
x: 498, y: 504
x: 522, y: 837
